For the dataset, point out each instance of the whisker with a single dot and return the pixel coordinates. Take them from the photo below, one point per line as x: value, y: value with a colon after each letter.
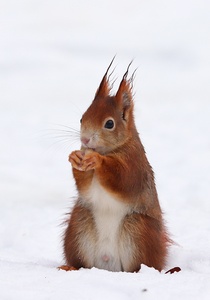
x: 61, y: 138
x: 64, y: 145
x: 66, y: 126
x: 52, y: 131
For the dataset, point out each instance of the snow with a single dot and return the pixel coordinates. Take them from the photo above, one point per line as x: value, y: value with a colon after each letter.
x: 53, y: 55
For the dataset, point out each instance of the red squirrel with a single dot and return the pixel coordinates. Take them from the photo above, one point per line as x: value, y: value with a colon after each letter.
x: 116, y: 223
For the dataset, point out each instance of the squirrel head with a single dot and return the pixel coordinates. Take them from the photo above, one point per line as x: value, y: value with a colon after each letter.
x: 108, y: 123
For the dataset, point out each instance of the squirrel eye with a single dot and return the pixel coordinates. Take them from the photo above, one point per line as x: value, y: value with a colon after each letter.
x: 109, y: 124
x: 80, y: 121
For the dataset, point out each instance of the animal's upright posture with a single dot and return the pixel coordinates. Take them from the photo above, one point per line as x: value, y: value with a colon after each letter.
x: 116, y: 223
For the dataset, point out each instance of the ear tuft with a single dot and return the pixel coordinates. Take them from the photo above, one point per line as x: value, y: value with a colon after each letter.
x: 104, y: 87
x: 124, y: 93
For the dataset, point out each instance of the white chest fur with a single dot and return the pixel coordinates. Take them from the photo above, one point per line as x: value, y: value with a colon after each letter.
x: 108, y: 215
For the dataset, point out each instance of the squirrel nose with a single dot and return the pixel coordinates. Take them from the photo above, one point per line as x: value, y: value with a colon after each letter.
x: 85, y: 140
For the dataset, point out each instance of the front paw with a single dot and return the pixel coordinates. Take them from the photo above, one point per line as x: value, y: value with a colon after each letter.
x: 91, y: 160
x: 76, y: 158
x: 85, y: 160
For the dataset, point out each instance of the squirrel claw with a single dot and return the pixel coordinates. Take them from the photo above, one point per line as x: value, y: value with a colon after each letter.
x: 173, y: 270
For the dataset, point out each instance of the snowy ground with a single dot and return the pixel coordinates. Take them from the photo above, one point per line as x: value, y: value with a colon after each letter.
x: 52, y: 57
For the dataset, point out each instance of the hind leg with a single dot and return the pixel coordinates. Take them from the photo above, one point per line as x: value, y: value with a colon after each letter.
x: 79, y: 239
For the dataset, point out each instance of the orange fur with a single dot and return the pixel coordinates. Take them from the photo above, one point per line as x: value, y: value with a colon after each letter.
x: 115, y: 180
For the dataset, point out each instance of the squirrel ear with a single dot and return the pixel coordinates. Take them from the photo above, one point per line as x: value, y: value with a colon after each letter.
x: 104, y: 87
x: 124, y: 93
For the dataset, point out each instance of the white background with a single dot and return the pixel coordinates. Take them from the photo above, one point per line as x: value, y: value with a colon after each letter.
x: 53, y: 55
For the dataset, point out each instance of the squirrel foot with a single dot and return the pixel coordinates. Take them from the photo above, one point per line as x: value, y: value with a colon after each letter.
x: 67, y: 268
